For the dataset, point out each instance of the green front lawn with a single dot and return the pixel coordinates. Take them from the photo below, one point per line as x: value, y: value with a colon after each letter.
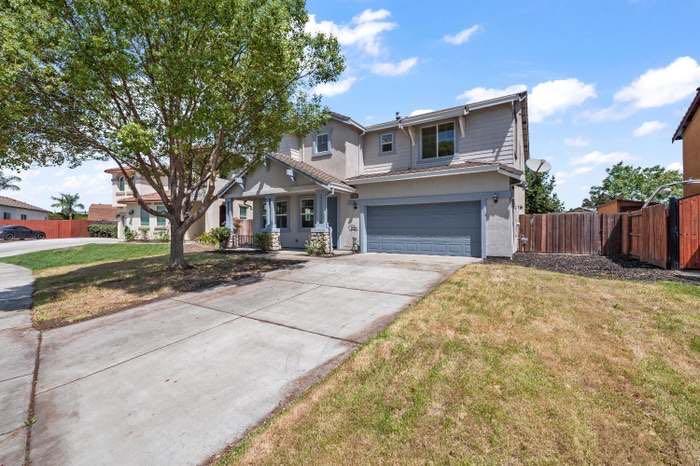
x: 75, y: 284
x: 88, y: 254
x: 508, y: 365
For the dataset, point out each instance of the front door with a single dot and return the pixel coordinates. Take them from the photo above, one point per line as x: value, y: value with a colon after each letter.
x: 333, y: 219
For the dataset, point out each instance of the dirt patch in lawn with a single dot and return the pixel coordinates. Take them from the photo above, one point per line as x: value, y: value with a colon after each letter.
x: 64, y: 295
x: 591, y: 266
x: 508, y: 365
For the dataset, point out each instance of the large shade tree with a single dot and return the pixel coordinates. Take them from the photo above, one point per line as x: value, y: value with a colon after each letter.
x: 179, y: 91
x: 635, y: 183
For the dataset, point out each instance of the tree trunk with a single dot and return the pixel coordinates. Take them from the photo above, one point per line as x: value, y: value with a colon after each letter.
x: 177, y: 248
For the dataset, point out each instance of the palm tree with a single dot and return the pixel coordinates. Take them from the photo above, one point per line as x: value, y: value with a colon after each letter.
x: 8, y: 182
x: 67, y: 204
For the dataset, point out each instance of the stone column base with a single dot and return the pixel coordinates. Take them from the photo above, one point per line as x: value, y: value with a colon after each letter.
x: 324, y: 237
x: 275, y: 244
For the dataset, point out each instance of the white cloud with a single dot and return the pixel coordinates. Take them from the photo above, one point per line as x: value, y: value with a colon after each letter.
x: 485, y: 93
x: 331, y: 89
x: 462, y: 36
x: 675, y: 166
x: 600, y: 158
x: 394, y: 69
x: 649, y: 127
x: 550, y: 97
x: 562, y: 176
x: 546, y: 98
x: 662, y: 86
x: 364, y: 31
x: 582, y: 170
x: 420, y: 111
x: 578, y: 141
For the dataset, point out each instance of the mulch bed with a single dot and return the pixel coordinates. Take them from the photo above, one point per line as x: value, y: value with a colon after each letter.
x: 592, y: 266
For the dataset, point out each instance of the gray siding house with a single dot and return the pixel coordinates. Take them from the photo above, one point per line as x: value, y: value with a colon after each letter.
x: 12, y: 209
x: 448, y: 182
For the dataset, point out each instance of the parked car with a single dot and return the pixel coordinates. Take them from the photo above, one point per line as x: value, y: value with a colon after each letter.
x: 10, y: 232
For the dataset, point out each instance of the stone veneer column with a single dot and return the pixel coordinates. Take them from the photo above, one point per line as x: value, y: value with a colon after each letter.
x: 271, y: 224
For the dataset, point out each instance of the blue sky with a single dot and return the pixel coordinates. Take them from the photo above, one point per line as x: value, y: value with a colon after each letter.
x: 608, y: 80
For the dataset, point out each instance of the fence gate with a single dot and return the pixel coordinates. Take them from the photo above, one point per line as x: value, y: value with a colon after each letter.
x: 689, y: 232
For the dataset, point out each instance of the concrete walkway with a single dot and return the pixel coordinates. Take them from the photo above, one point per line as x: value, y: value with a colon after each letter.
x: 18, y: 344
x: 13, y: 248
x: 176, y: 381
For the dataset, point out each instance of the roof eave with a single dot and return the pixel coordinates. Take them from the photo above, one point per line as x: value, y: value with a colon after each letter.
x: 434, y: 174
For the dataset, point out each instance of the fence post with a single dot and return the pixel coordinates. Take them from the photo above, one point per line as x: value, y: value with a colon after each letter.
x: 673, y: 234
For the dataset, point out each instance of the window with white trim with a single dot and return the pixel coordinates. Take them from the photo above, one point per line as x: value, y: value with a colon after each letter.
x: 160, y: 219
x: 323, y: 143
x: 281, y: 214
x: 307, y: 213
x: 243, y: 212
x: 145, y: 218
x: 438, y: 140
x: 121, y: 184
x: 386, y: 143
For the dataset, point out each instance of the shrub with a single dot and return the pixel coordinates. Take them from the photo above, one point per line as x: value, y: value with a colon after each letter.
x: 162, y: 235
x: 315, y: 247
x: 221, y: 236
x: 207, y: 238
x: 143, y: 233
x: 129, y: 234
x: 263, y: 241
x: 103, y: 230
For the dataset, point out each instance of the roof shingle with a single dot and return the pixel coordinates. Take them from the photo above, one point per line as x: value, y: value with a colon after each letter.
x: 9, y: 202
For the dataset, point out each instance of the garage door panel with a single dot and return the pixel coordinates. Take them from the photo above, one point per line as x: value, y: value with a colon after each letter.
x: 446, y: 229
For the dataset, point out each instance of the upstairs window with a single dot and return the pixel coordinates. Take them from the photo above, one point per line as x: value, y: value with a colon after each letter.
x: 322, y: 143
x: 438, y: 141
x: 386, y: 143
x: 307, y: 213
x: 121, y: 184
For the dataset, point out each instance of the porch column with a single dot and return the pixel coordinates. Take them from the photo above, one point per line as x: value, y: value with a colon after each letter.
x: 321, y: 231
x: 270, y: 220
x: 321, y: 210
x: 229, y: 213
x: 120, y: 227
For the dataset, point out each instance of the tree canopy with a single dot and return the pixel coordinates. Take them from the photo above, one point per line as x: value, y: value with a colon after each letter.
x: 634, y: 183
x: 9, y: 182
x: 179, y: 91
x: 540, y: 197
x: 67, y: 205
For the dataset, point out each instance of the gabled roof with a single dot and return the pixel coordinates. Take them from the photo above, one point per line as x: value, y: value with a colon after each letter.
x: 312, y: 172
x: 688, y: 117
x: 347, y: 120
x: 9, y: 202
x: 151, y: 197
x: 439, y: 170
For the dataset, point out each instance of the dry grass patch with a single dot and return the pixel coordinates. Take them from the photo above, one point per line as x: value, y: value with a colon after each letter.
x: 69, y: 294
x: 503, y: 364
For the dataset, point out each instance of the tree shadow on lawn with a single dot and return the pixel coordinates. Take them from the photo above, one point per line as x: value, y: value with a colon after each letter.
x: 86, y: 292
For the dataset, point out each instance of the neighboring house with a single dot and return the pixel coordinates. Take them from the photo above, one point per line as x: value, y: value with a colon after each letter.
x: 617, y: 206
x: 144, y: 225
x: 12, y: 209
x: 689, y: 131
x: 447, y: 182
x: 102, y: 213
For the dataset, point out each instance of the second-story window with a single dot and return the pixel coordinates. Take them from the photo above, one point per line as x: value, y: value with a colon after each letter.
x: 438, y: 140
x: 121, y: 184
x: 322, y: 143
x: 386, y: 143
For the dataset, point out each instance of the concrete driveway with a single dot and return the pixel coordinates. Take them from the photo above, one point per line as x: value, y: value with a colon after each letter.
x: 13, y: 248
x: 175, y: 381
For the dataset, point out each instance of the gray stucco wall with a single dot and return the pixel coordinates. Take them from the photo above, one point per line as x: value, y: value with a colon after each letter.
x: 16, y: 213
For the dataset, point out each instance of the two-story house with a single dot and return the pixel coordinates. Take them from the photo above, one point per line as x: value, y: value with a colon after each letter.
x: 689, y: 131
x: 447, y: 182
x: 146, y: 226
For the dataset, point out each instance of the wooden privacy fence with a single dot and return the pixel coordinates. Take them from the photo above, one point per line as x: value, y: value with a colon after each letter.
x: 571, y: 233
x: 55, y: 228
x: 645, y: 235
x: 689, y: 232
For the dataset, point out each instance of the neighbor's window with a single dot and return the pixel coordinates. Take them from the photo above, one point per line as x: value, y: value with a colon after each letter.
x: 23, y: 217
x: 121, y: 183
x: 307, y: 213
x: 438, y: 140
x: 322, y: 143
x: 6, y: 216
x: 145, y: 218
x: 161, y: 219
x: 243, y: 212
x: 386, y: 142
x: 281, y: 214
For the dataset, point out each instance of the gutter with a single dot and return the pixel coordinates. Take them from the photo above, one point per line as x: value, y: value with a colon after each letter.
x: 434, y: 174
